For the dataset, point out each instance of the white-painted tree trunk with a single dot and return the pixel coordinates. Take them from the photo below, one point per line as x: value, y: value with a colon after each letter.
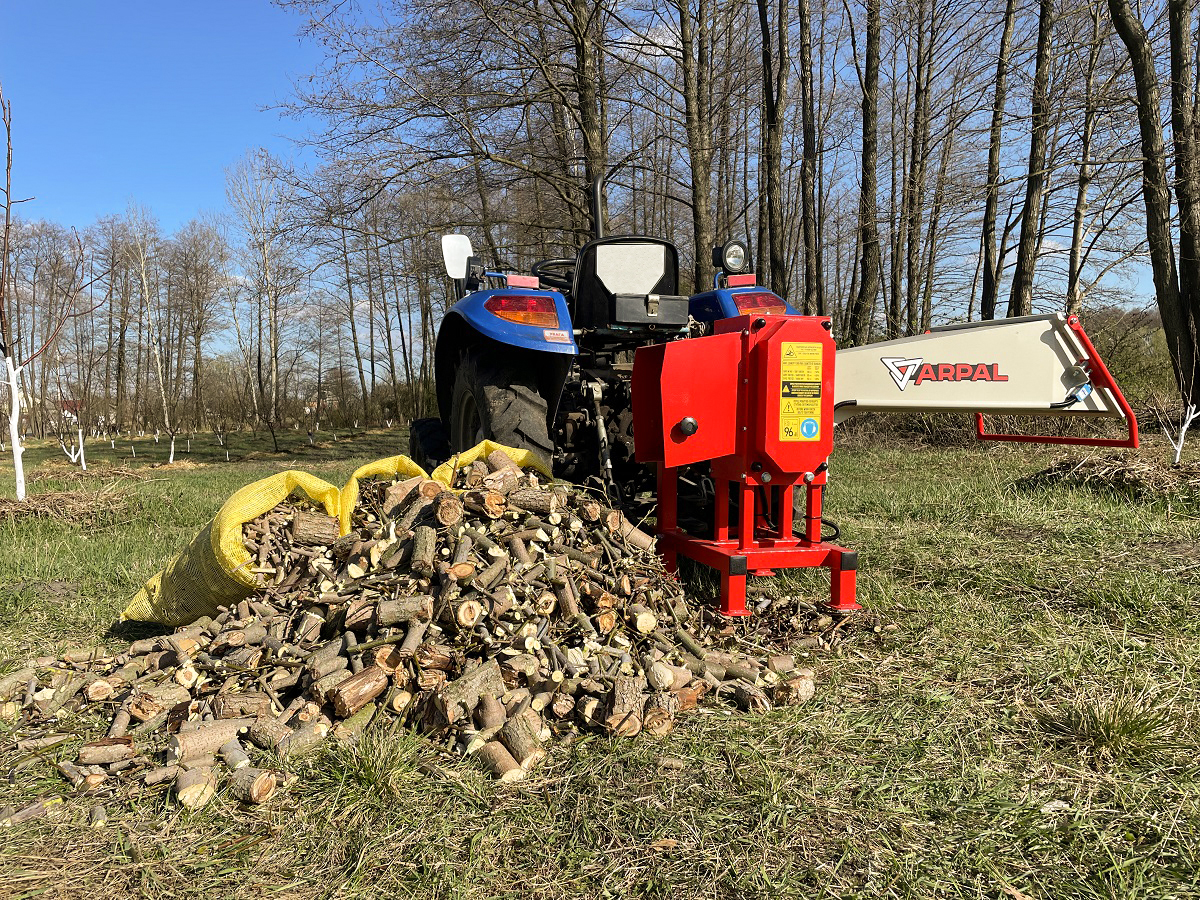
x: 82, y: 457
x: 1190, y: 413
x: 14, y: 425
x: 171, y: 458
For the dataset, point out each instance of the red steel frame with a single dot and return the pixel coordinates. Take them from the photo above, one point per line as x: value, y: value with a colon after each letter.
x: 1101, y: 378
x: 737, y: 551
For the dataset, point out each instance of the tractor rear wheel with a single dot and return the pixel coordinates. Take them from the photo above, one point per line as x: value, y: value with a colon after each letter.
x: 499, y: 401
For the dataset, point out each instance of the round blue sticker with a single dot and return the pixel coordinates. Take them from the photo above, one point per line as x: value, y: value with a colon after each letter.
x: 809, y: 428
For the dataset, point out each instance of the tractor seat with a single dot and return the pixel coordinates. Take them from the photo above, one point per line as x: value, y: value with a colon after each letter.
x: 627, y: 281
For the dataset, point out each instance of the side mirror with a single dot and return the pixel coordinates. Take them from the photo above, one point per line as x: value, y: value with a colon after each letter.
x: 456, y: 250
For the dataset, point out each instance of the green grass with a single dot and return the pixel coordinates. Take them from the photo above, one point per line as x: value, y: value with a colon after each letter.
x: 1029, y: 730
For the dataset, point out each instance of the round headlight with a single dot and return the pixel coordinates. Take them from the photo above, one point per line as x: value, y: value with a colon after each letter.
x: 731, y: 257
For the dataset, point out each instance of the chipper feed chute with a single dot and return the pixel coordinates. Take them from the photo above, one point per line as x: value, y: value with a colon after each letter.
x: 758, y: 400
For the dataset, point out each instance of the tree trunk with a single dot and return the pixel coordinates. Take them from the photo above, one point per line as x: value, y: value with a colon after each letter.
x: 1177, y: 321
x: 814, y: 299
x: 695, y: 66
x: 992, y: 265
x: 775, y: 65
x: 862, y: 306
x: 1020, y: 300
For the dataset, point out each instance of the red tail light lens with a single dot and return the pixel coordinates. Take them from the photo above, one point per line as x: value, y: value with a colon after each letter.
x: 524, y: 309
x: 750, y: 303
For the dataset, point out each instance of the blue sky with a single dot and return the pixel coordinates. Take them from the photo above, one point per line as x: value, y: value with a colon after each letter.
x: 131, y: 100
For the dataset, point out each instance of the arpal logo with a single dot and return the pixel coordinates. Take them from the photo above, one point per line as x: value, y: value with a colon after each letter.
x: 902, y: 370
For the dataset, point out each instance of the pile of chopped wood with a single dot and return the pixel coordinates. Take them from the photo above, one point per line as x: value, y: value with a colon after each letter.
x: 493, y: 619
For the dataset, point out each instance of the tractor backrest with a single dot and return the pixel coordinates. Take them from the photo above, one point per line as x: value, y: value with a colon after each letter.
x: 628, y: 264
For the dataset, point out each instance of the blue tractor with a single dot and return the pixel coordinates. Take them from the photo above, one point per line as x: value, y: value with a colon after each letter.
x: 543, y: 361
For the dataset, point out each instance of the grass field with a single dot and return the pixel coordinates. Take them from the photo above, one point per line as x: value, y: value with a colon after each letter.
x: 1030, y: 729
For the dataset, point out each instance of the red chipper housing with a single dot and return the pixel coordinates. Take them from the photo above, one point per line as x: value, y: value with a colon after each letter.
x: 756, y: 398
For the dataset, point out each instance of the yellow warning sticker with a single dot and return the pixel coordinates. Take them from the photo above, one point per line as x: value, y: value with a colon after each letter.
x: 800, y: 391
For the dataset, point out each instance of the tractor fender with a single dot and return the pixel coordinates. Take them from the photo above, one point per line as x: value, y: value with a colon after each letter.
x: 550, y: 363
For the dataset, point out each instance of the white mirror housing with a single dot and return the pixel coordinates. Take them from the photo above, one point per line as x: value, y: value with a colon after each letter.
x: 456, y: 249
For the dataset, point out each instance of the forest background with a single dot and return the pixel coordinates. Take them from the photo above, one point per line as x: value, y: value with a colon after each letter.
x: 895, y: 165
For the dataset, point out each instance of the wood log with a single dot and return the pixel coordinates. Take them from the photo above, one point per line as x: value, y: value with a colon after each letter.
x: 468, y: 613
x: 252, y: 786
x: 689, y: 696
x: 240, y: 705
x: 194, y: 788
x: 319, y: 666
x: 520, y: 735
x: 348, y: 728
x: 751, y: 698
x: 590, y: 710
x: 642, y: 618
x: 304, y: 740
x: 498, y: 460
x: 234, y: 755
x: 245, y: 658
x: 794, y: 691
x: 605, y: 621
x: 389, y: 658
x: 499, y: 762
x: 457, y: 700
x: 435, y: 656
x: 461, y: 573
x: 322, y: 688
x: 781, y: 664
x: 308, y: 629
x: 491, y: 504
x: 534, y: 501
x: 568, y: 605
x: 634, y: 536
x: 99, y: 688
x: 447, y: 509
x: 268, y: 733
x: 358, y: 690
x: 429, y: 489
x: 519, y: 551
x: 360, y: 612
x: 625, y: 705
x: 120, y: 723
x: 205, y: 740
x: 658, y: 716
x: 413, y: 512
x: 659, y: 675
x: 397, y: 493
x: 424, y: 550
x: 14, y: 683
x: 489, y: 712
x: 502, y: 482
x: 148, y: 702
x: 313, y: 528
x: 403, y: 610
x: 42, y: 809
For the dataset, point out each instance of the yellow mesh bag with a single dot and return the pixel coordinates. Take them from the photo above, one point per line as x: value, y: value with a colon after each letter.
x: 213, y: 570
x: 445, y: 472
x: 391, y: 467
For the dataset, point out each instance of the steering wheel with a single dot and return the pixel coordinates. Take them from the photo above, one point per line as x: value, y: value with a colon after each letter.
x: 558, y: 273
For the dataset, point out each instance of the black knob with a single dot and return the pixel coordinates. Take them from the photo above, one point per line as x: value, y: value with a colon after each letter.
x: 688, y: 426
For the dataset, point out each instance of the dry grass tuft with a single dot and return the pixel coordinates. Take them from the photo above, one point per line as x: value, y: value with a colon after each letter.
x: 1120, y: 728
x: 1138, y: 475
x: 81, y: 507
x: 69, y: 472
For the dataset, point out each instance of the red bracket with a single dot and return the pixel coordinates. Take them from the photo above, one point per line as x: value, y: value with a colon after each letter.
x: 1101, y: 378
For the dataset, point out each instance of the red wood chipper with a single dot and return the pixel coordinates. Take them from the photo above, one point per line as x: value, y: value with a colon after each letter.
x: 759, y: 399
